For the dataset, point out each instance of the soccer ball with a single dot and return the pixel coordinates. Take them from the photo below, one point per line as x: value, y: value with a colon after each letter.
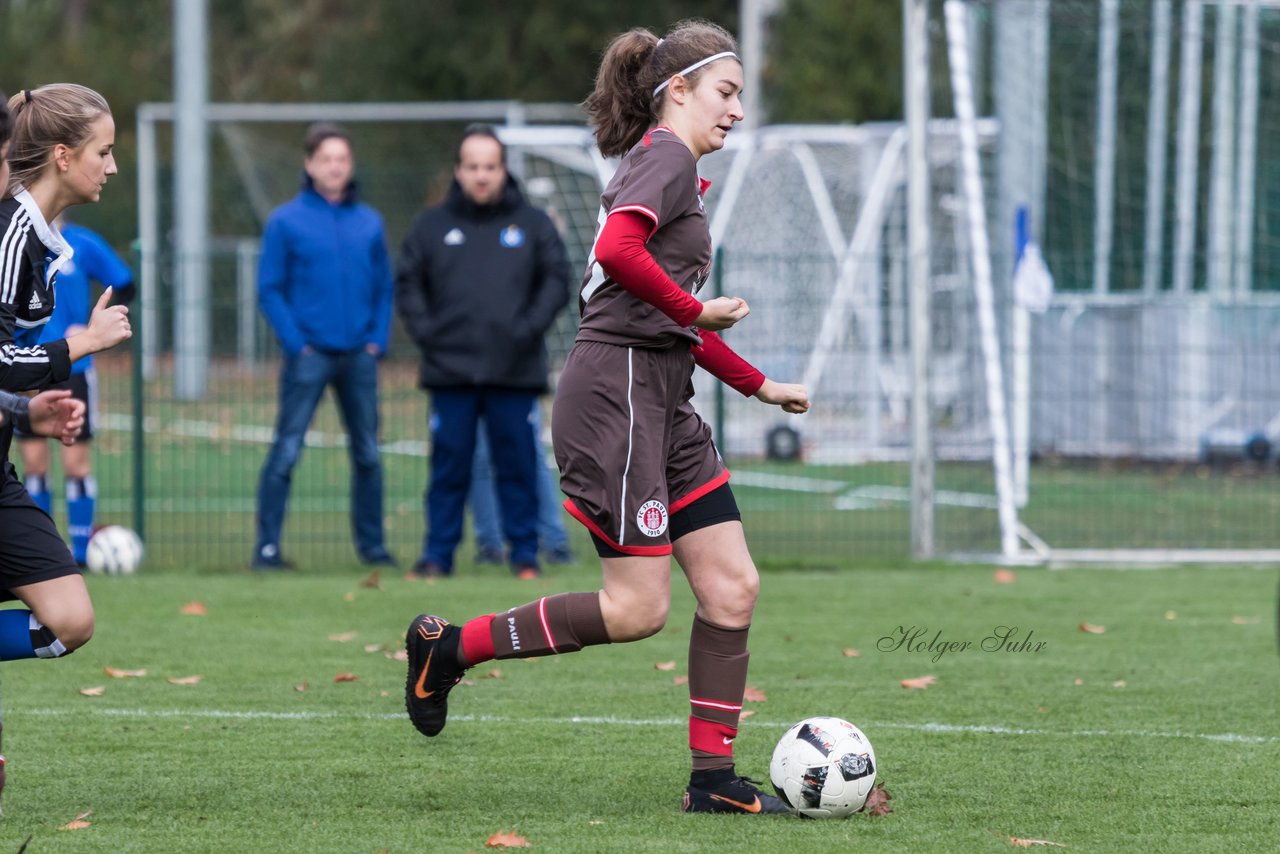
x: 823, y: 768
x: 114, y: 550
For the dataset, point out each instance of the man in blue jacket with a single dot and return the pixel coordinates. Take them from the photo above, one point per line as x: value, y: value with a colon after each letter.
x: 325, y: 286
x: 480, y: 280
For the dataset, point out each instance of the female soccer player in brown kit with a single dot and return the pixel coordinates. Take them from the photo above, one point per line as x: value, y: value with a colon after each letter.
x: 636, y: 461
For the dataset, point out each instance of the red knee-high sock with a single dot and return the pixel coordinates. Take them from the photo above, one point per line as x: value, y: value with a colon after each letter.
x: 552, y: 625
x: 717, y: 680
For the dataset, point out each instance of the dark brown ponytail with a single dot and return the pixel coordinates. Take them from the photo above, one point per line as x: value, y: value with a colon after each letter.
x: 622, y: 106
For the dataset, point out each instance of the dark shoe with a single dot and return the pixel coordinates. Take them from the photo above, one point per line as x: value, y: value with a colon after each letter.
x: 432, y: 644
x: 382, y: 558
x: 490, y: 556
x: 527, y: 571
x: 735, y: 795
x: 269, y: 559
x: 428, y: 569
x: 560, y: 555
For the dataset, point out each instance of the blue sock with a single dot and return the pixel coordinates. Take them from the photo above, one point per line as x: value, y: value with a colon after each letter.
x: 82, y: 497
x: 15, y: 634
x: 22, y: 636
x: 38, y: 489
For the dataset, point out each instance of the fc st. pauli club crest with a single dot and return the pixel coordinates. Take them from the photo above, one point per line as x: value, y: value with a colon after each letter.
x: 652, y: 518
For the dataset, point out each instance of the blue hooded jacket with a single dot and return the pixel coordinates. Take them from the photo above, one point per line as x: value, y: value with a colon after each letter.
x: 324, y: 278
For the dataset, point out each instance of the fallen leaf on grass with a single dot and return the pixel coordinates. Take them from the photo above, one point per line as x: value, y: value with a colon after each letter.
x: 1119, y: 683
x: 374, y: 647
x: 399, y: 655
x: 1171, y: 615
x: 1246, y: 621
x: 878, y: 801
x: 680, y: 680
x: 342, y: 637
x: 850, y: 652
x: 96, y: 691
x: 345, y: 677
x: 194, y: 609
x: 349, y: 597
x: 78, y: 823
x: 373, y: 580
x: 753, y: 695
x: 1092, y: 629
x: 1003, y: 576
x: 665, y: 665
x: 117, y: 673
x: 919, y: 681
x: 1078, y: 681
x: 184, y: 680
x: 1027, y: 843
x: 301, y: 686
x: 495, y: 673
x: 746, y: 713
x: 506, y: 840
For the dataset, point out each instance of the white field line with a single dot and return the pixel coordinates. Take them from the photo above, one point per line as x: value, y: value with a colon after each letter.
x: 595, y: 720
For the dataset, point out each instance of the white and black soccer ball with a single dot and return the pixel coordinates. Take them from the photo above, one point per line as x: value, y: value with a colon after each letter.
x: 114, y: 550
x: 823, y: 768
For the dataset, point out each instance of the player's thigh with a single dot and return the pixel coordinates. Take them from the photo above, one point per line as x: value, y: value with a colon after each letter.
x: 35, y: 454
x: 720, y: 571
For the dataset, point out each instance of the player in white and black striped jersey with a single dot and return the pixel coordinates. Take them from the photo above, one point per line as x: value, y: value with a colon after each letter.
x: 58, y: 154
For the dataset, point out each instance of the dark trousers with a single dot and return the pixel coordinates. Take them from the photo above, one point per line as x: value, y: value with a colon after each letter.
x: 303, y: 379
x: 454, y: 416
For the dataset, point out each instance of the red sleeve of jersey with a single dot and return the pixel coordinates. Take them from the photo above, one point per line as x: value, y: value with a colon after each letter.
x: 716, y: 358
x: 621, y: 253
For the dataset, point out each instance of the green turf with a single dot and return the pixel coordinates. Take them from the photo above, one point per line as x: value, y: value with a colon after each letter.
x: 587, y: 753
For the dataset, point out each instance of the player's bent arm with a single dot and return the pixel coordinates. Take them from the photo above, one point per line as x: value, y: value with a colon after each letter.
x: 717, y: 358
x: 108, y: 326
x: 621, y: 252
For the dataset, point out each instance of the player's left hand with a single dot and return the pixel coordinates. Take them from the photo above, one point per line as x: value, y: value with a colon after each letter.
x: 57, y: 414
x: 792, y: 397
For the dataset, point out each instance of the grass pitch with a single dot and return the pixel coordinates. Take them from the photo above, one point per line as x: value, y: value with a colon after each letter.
x: 1158, y: 734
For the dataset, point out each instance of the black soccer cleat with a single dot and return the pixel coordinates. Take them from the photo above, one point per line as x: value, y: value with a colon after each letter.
x: 432, y: 645
x: 736, y: 795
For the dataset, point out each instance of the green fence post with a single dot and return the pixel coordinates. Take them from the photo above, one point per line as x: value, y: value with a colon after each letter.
x: 139, y: 434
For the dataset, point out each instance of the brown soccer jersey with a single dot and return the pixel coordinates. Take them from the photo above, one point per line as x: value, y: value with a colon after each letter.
x: 631, y: 448
x: 658, y: 178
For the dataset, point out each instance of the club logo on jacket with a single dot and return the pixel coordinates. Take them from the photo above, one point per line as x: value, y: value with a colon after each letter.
x: 455, y: 237
x: 512, y: 237
x: 652, y: 518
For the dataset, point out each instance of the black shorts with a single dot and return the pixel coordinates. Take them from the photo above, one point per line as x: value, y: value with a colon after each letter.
x: 31, y: 549
x: 715, y: 507
x: 84, y: 386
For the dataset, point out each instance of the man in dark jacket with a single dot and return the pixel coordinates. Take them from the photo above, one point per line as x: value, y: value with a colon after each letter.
x: 325, y: 286
x: 480, y: 280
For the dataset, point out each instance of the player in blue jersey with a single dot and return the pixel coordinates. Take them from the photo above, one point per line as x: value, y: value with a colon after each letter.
x: 93, y: 260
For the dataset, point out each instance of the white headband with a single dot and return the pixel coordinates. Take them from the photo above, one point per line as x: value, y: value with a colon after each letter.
x: 693, y: 68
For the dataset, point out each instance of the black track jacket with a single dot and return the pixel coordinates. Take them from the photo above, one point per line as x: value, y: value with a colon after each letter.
x: 477, y: 287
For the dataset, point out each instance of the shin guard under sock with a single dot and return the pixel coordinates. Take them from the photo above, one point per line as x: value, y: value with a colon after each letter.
x: 718, y: 659
x: 553, y: 625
